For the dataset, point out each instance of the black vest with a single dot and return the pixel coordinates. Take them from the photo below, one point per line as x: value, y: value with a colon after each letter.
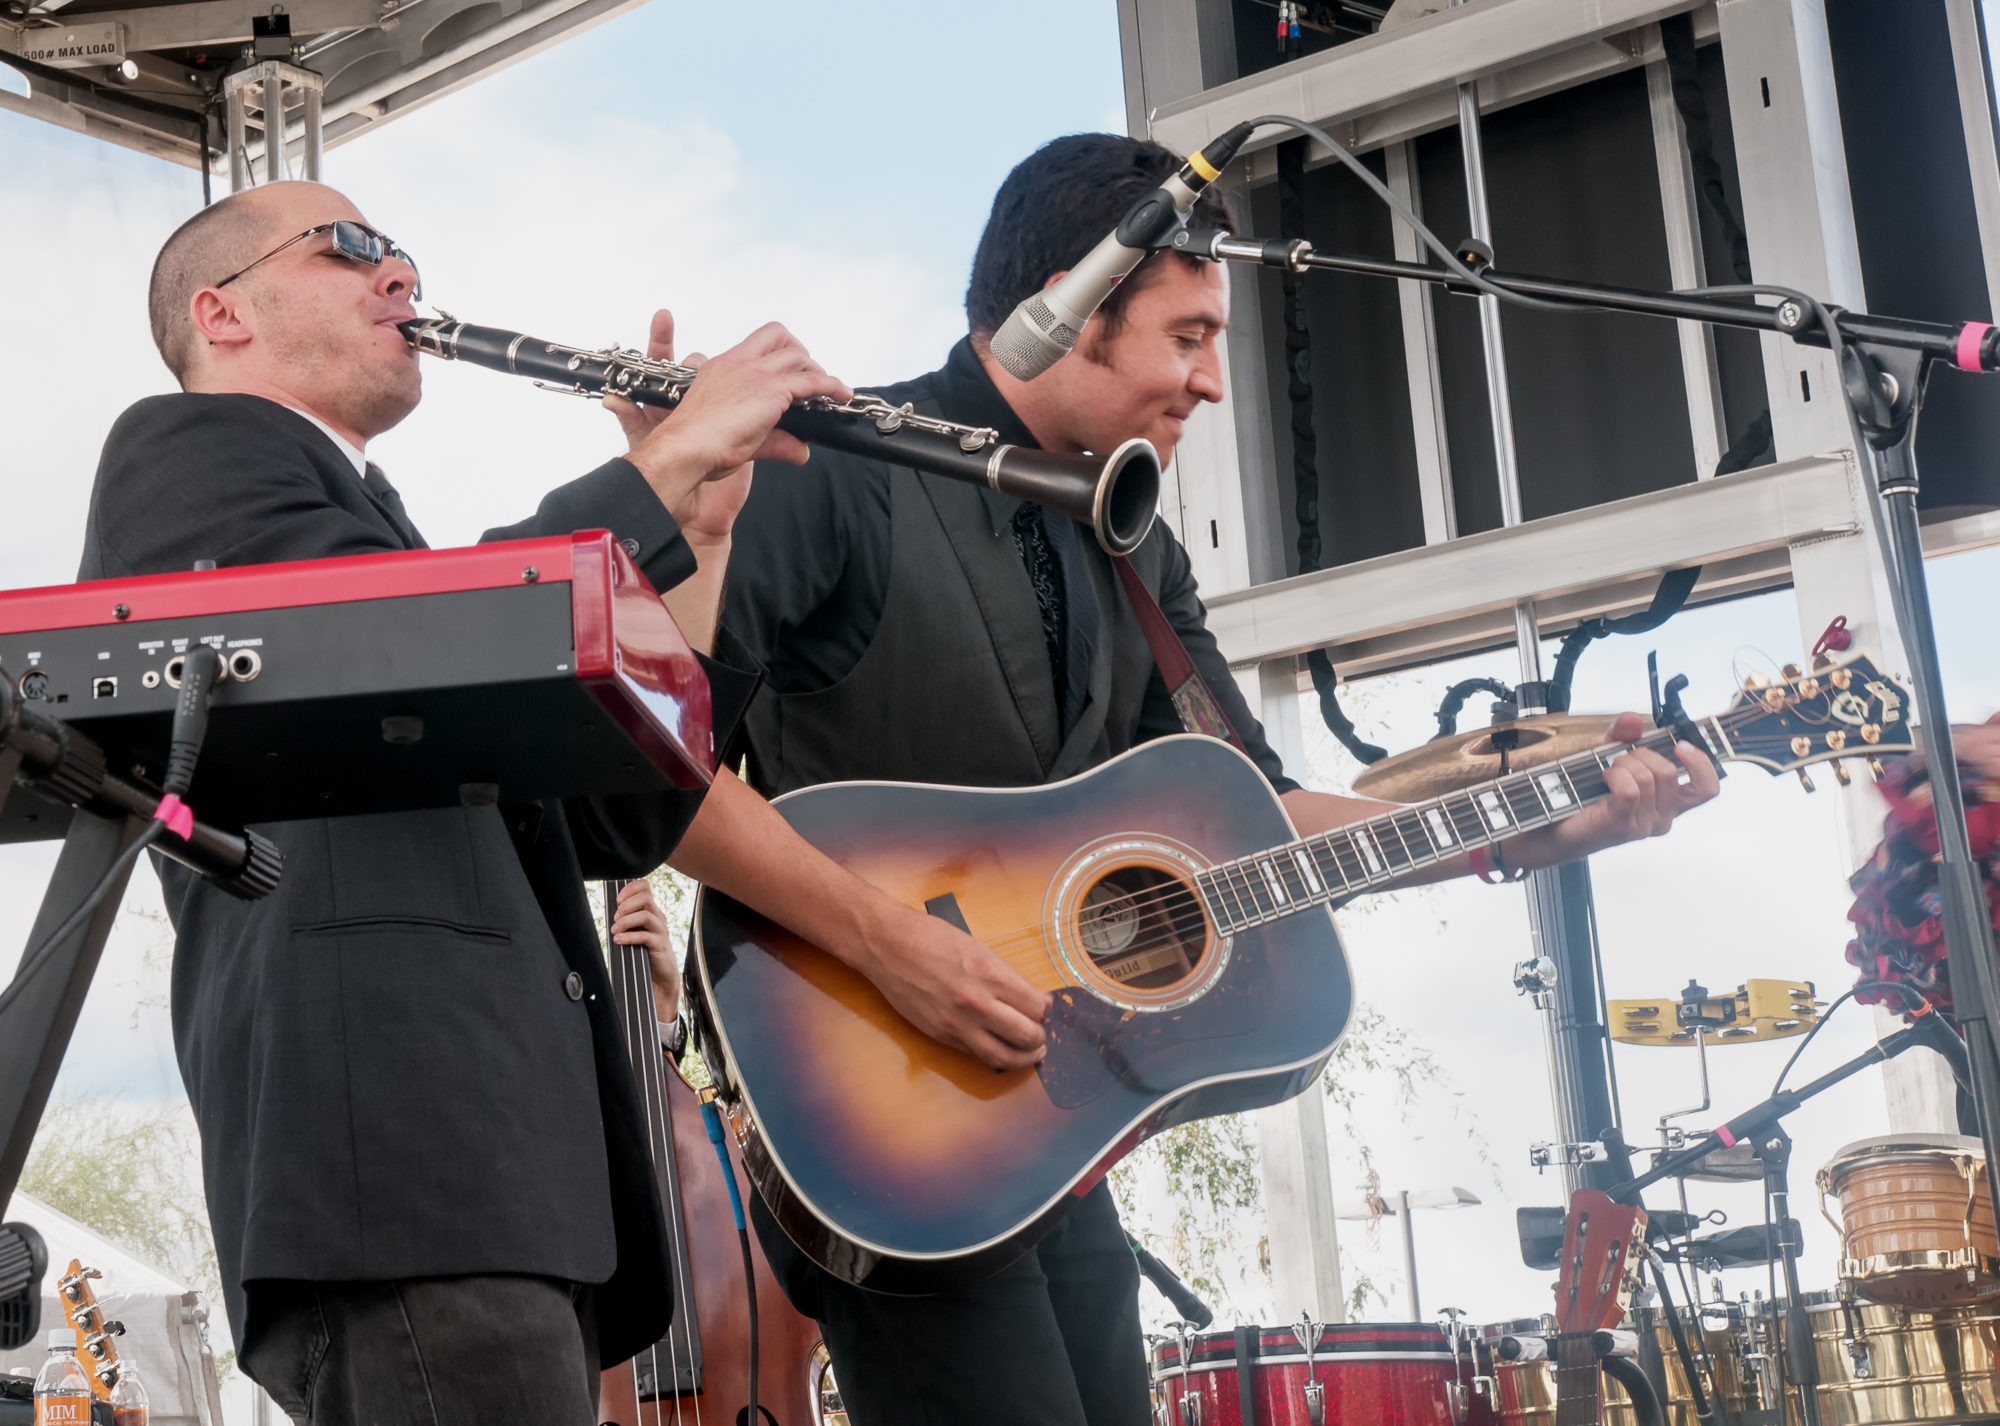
x: 956, y: 686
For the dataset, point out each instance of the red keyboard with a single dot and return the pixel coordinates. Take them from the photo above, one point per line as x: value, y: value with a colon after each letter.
x: 378, y: 683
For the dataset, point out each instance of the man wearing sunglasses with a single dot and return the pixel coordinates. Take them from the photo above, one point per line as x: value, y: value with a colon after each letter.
x: 423, y: 1150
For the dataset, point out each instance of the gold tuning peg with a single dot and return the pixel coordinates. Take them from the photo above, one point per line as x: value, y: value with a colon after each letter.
x: 1875, y: 769
x: 1756, y: 681
x: 1791, y: 671
x: 1805, y: 780
x: 1840, y: 774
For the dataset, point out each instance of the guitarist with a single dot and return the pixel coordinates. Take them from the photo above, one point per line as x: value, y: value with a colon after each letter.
x: 923, y: 633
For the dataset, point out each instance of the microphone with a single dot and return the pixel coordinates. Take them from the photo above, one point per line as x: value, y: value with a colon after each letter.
x: 1040, y: 332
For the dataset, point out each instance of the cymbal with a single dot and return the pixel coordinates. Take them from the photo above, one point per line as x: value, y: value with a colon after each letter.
x: 1459, y: 761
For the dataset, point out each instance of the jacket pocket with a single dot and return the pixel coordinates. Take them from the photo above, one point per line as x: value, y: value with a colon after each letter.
x: 403, y: 925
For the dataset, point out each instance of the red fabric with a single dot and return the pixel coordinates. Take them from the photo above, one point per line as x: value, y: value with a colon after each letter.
x: 1898, y: 936
x: 1168, y: 652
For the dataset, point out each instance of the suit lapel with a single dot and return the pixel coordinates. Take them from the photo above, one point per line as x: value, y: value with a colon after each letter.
x: 1079, y: 749
x: 979, y: 536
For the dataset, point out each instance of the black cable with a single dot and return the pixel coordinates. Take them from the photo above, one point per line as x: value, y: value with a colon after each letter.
x: 1677, y: 42
x: 1668, y: 600
x: 35, y: 959
x: 1337, y: 721
x: 1915, y: 996
x: 1298, y: 357
x: 1453, y: 702
x: 749, y: 1415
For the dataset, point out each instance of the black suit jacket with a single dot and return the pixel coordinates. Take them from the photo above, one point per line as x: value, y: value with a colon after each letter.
x: 390, y: 1078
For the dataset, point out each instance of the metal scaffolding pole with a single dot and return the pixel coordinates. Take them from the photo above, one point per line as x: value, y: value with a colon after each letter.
x: 1560, y: 919
x: 270, y: 80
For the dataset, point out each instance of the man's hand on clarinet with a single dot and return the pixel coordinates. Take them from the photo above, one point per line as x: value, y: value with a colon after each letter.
x: 640, y: 922
x: 697, y: 456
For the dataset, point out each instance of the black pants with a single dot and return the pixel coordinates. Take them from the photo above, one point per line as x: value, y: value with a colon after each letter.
x: 458, y: 1351
x: 1052, y: 1340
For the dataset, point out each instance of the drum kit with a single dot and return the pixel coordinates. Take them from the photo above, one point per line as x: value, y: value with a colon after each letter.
x: 1911, y: 1333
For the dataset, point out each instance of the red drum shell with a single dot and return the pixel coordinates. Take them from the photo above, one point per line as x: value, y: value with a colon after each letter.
x: 1374, y: 1374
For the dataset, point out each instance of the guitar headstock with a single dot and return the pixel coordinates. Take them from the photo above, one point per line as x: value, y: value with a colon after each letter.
x: 1603, y: 1242
x: 96, y: 1339
x: 1825, y: 712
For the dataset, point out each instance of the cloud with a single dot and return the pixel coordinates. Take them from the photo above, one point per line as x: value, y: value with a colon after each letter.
x: 512, y: 231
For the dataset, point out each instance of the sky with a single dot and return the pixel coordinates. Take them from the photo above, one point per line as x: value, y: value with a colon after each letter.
x: 831, y: 168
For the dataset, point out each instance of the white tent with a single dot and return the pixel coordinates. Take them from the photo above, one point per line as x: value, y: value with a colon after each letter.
x: 166, y: 1323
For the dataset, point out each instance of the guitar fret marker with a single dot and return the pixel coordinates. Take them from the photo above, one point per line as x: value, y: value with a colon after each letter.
x: 1496, y: 810
x: 1277, y: 886
x: 1554, y: 793
x: 1366, y: 845
x: 1439, y: 827
x: 1306, y: 870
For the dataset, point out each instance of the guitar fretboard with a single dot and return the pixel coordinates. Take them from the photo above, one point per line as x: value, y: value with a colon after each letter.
x: 1314, y: 871
x: 1578, y: 1384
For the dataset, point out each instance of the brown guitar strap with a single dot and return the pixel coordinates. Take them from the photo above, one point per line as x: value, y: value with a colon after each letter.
x: 1193, y: 700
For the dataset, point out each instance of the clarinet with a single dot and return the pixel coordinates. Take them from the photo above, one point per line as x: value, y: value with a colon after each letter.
x: 1116, y: 495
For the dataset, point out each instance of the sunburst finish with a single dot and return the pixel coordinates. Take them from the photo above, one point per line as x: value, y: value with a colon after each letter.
x: 904, y: 1165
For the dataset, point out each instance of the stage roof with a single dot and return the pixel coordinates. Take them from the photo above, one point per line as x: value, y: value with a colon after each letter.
x: 381, y: 59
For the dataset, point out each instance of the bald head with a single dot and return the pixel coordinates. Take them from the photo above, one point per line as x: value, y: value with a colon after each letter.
x: 222, y: 238
x: 308, y: 326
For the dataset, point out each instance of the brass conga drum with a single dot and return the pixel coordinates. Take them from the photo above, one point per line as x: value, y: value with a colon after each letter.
x: 1884, y: 1365
x: 1916, y: 1220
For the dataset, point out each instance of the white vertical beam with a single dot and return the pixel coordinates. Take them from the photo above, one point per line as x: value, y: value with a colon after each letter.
x: 1686, y: 269
x: 1420, y: 359
x: 1969, y: 62
x: 1291, y: 1137
x: 1210, y: 495
x: 1800, y: 219
x: 1796, y: 207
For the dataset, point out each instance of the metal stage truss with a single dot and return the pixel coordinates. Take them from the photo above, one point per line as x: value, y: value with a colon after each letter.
x: 1432, y: 425
x: 168, y: 78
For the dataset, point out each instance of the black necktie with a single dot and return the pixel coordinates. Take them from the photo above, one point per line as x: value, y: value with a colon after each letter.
x: 1080, y: 607
x: 391, y: 505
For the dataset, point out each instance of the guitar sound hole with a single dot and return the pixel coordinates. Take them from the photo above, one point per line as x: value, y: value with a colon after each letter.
x: 1142, y: 927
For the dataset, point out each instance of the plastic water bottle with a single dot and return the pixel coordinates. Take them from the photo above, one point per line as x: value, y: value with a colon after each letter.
x: 62, y: 1391
x: 128, y: 1398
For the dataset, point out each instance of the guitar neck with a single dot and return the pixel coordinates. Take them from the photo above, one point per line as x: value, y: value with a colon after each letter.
x: 1315, y: 871
x: 1578, y: 1381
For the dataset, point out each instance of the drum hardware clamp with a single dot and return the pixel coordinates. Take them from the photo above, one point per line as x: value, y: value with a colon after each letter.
x: 1451, y: 1320
x: 1537, y: 980
x: 1542, y: 1154
x: 1309, y: 1333
x: 1190, y: 1398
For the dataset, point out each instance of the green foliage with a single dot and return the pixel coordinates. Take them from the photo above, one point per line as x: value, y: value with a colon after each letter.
x: 1207, y: 1173
x: 132, y: 1175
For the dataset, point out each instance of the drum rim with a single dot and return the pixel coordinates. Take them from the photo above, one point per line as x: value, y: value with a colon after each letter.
x: 1906, y: 1145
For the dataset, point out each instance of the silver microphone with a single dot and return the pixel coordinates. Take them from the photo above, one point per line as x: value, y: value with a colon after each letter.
x: 1040, y: 332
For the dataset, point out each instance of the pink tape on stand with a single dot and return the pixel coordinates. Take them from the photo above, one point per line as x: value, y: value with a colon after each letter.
x: 1970, y: 338
x: 178, y: 816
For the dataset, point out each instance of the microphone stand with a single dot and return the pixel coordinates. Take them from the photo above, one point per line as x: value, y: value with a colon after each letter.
x: 1884, y: 363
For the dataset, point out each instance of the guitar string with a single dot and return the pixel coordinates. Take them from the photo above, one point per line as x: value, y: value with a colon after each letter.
x: 636, y: 977
x: 1249, y: 891
x: 1240, y: 883
x: 634, y: 1017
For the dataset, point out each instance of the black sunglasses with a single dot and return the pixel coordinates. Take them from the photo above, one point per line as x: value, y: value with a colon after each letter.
x: 352, y: 240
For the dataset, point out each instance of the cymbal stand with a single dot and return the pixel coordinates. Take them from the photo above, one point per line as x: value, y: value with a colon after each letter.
x: 1774, y: 1151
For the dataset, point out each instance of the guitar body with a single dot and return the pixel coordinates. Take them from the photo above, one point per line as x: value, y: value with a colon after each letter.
x: 904, y: 1166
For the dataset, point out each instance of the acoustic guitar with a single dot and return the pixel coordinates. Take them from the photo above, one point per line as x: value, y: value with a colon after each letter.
x: 1181, y: 927
x: 1603, y: 1245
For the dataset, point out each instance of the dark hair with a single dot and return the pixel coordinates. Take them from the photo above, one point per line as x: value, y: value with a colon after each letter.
x: 1055, y: 206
